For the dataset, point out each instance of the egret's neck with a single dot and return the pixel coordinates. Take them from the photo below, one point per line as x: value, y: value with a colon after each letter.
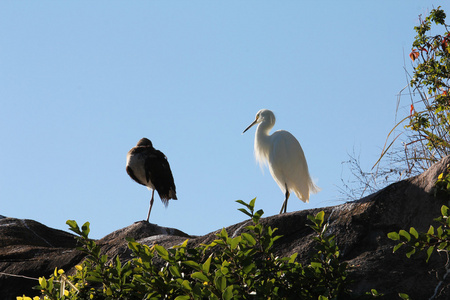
x: 262, y: 131
x: 262, y: 142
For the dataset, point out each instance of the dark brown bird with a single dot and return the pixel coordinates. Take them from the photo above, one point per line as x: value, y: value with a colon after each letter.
x: 149, y: 167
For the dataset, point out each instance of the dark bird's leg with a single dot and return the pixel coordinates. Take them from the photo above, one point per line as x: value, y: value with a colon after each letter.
x: 151, y: 204
x: 284, y: 207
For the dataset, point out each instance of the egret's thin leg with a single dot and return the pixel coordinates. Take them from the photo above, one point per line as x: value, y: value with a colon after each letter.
x: 284, y: 207
x: 287, y: 197
x: 151, y: 204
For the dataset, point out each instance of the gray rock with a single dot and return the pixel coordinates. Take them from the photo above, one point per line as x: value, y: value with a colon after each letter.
x: 361, y: 227
x: 29, y: 250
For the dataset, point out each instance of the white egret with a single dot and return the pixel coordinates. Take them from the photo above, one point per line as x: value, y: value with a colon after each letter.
x: 283, y: 154
x: 149, y: 167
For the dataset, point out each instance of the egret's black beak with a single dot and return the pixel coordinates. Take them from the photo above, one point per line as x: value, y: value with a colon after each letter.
x: 254, y: 122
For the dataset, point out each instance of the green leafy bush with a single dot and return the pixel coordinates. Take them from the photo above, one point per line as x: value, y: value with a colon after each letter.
x: 434, y: 239
x: 241, y: 267
x: 428, y: 130
x: 442, y: 185
x: 432, y: 74
x: 422, y: 136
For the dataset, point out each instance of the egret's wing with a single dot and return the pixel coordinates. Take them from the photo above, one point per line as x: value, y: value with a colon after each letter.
x: 288, y: 164
x: 287, y: 152
x: 279, y: 159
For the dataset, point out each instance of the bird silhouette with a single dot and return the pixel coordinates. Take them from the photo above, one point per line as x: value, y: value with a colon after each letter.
x: 149, y: 167
x: 283, y: 154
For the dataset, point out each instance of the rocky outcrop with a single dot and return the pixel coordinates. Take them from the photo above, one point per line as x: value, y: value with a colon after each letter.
x: 31, y: 249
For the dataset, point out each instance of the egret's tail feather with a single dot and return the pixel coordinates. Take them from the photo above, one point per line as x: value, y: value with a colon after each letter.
x: 303, y: 192
x: 313, y: 188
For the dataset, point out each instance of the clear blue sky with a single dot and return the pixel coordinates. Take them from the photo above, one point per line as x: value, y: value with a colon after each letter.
x: 82, y: 81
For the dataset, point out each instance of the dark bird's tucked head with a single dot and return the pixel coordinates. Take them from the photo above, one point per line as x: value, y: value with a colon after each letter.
x: 144, y: 142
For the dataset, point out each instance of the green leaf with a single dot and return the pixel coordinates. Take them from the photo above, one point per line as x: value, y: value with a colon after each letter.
x: 207, y: 264
x: 414, y: 232
x: 245, y: 212
x: 234, y: 242
x: 242, y: 202
x: 186, y: 285
x: 174, y: 271
x: 228, y: 293
x: 255, y: 219
x: 403, y: 296
x: 118, y: 264
x: 411, y: 252
x: 135, y: 247
x: 104, y: 259
x: 200, y: 276
x: 276, y: 238
x: 223, y: 233
x: 405, y: 234
x: 316, y: 265
x: 443, y: 246
x: 444, y: 210
x: 440, y: 231
x: 393, y: 236
x: 249, y: 238
x: 429, y: 252
x: 259, y: 213
x: 320, y: 216
x: 94, y: 278
x: 248, y: 268
x: 225, y: 267
x: 183, y: 245
x: 430, y: 230
x: 43, y: 282
x: 85, y: 229
x: 72, y: 224
x: 185, y: 297
x: 50, y: 284
x: 397, y: 247
x: 251, y: 205
x: 218, y: 242
x: 161, y: 251
x: 192, y: 264
x: 293, y: 257
x: 220, y: 282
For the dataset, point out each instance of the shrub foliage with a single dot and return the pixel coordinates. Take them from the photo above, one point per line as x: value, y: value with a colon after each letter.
x: 434, y: 239
x: 428, y: 130
x: 240, y: 267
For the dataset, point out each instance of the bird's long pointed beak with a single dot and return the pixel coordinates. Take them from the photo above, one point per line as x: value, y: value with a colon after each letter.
x: 254, y: 122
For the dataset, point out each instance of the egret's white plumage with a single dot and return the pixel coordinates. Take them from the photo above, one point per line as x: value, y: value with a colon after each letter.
x: 283, y: 154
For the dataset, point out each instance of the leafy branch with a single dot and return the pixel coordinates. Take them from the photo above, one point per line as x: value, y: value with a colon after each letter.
x: 240, y: 267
